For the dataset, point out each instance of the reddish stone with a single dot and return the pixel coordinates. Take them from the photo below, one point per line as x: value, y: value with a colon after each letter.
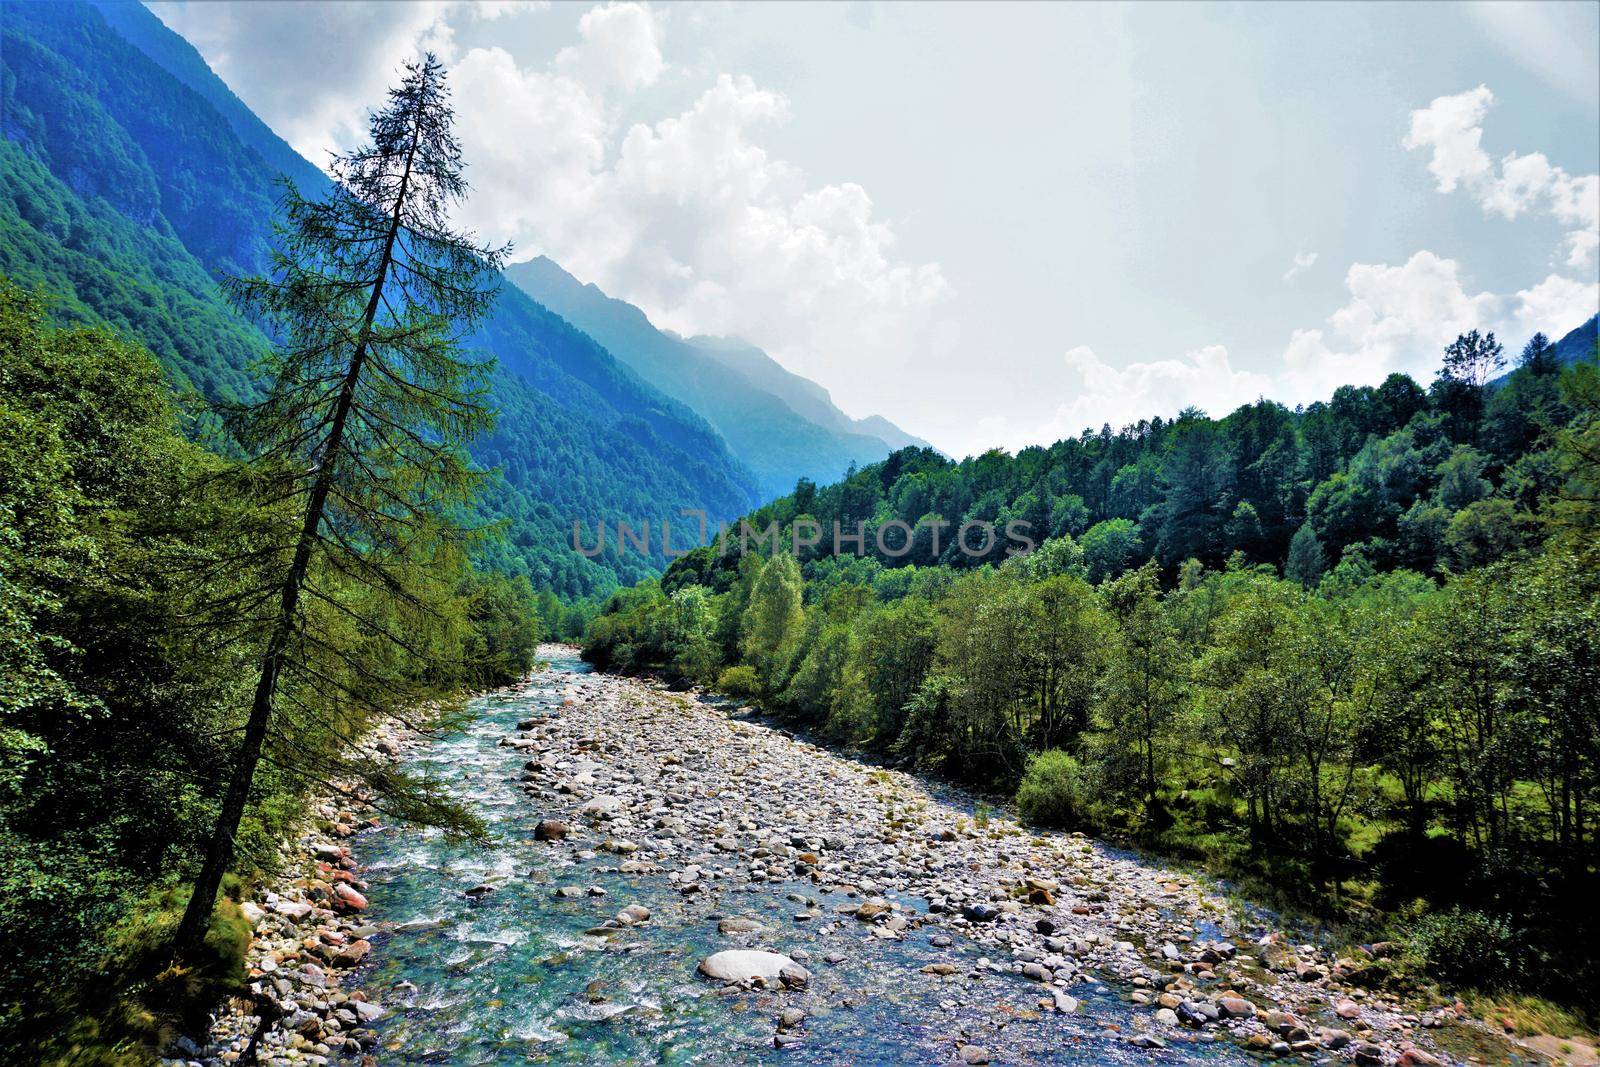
x: 348, y: 897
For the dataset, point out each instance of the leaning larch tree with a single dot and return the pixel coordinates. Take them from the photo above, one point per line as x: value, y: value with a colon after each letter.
x: 357, y: 446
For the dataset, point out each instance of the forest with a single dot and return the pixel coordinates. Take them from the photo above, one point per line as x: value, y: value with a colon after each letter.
x: 195, y: 637
x: 1348, y: 655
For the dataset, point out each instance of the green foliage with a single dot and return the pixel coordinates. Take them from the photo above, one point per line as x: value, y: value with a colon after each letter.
x: 1111, y: 547
x: 740, y: 682
x: 1352, y: 737
x: 1306, y: 561
x: 115, y: 709
x: 1469, y: 949
x: 1056, y: 791
x: 131, y: 179
x: 771, y: 620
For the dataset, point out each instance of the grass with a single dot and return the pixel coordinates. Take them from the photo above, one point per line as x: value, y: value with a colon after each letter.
x: 1526, y: 1015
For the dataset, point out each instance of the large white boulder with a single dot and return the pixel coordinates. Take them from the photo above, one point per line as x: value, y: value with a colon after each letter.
x: 750, y: 966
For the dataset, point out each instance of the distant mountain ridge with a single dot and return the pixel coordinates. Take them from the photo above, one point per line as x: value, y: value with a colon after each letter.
x: 131, y: 178
x: 805, y: 396
x: 782, y: 426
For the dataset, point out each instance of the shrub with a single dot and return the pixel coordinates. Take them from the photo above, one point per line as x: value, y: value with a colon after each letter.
x: 1468, y: 948
x: 1055, y: 791
x: 740, y: 682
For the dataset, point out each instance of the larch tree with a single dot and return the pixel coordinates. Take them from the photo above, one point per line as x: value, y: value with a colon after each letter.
x: 357, y: 447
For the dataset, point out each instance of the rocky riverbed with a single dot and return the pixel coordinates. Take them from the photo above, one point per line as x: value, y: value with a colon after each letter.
x: 677, y: 880
x: 310, y: 933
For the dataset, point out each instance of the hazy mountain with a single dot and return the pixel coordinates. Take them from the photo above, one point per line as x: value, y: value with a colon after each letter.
x: 1577, y: 344
x: 805, y: 396
x: 781, y: 430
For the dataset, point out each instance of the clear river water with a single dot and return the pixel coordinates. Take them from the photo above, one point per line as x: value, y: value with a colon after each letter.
x: 513, y: 977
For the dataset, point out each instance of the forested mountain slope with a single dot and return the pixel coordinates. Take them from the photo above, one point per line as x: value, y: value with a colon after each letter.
x: 780, y: 441
x: 1398, y: 475
x: 128, y: 193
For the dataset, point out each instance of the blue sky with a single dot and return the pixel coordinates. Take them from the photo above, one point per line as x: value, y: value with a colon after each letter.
x: 999, y: 224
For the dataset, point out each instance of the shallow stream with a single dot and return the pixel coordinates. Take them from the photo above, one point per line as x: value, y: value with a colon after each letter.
x: 513, y: 977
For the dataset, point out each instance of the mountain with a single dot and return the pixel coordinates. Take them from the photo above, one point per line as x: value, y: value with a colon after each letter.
x: 780, y: 440
x: 131, y: 179
x: 804, y: 396
x: 145, y: 31
x: 1577, y: 344
x: 1580, y: 343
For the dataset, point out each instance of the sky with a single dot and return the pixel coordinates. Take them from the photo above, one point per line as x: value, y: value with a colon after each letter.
x: 1001, y: 224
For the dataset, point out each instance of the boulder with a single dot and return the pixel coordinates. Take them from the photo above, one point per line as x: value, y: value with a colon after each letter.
x: 750, y: 966
x: 1236, y: 1006
x: 549, y: 830
x: 604, y: 806
x: 293, y: 910
x: 348, y: 898
x: 351, y: 954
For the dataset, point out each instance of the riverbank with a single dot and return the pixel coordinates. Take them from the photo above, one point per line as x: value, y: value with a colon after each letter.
x: 309, y: 932
x: 645, y: 832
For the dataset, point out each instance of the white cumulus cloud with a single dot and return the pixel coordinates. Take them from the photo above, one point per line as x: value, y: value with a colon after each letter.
x: 688, y: 215
x: 1555, y: 306
x: 316, y: 94
x: 1451, y: 128
x: 1400, y: 318
x: 1104, y: 394
x: 621, y: 47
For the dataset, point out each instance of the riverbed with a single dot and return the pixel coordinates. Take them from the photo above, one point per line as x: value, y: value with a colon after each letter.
x: 980, y: 941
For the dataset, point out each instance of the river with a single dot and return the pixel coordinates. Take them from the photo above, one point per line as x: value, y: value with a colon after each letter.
x: 514, y: 976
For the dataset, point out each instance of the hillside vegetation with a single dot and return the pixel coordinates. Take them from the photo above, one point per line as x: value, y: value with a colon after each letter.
x: 133, y: 181
x: 1349, y: 653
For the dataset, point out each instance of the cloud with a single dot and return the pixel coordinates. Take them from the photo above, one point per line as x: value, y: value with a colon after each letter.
x: 1396, y: 319
x: 316, y: 94
x: 1117, y: 396
x: 690, y: 217
x: 621, y: 48
x: 1303, y: 262
x: 1399, y: 319
x: 1555, y: 306
x: 1451, y: 127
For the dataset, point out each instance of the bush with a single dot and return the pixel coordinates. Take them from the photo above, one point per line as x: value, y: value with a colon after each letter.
x: 740, y: 682
x: 1055, y: 791
x: 1468, y: 948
